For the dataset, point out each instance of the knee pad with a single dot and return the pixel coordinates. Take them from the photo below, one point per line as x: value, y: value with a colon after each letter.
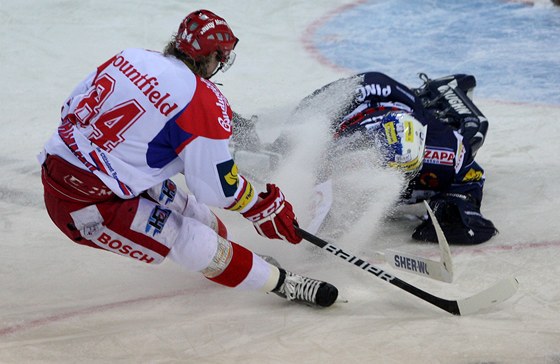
x: 202, y: 213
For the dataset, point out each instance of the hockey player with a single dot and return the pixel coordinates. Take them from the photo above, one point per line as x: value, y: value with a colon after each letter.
x: 141, y: 118
x: 438, y: 163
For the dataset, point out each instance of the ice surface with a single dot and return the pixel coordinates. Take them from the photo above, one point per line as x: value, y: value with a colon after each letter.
x: 63, y: 303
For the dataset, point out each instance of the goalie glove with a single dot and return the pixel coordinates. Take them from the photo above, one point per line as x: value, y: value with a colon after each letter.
x: 460, y: 219
x: 448, y: 99
x: 273, y: 216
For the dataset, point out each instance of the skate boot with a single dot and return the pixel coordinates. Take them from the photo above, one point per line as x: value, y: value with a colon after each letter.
x: 312, y: 292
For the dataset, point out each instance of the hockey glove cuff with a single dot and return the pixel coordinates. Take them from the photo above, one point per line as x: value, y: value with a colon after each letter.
x: 273, y: 216
x: 460, y: 219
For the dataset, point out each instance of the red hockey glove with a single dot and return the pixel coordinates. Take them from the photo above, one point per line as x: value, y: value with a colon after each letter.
x: 273, y: 216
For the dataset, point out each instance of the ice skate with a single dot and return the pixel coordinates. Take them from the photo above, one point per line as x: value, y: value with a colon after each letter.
x: 306, y: 290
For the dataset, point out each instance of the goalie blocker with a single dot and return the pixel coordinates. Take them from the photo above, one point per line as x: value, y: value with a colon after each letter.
x: 449, y: 98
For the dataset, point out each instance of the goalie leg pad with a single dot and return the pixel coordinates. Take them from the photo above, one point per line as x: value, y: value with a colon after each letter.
x: 460, y: 219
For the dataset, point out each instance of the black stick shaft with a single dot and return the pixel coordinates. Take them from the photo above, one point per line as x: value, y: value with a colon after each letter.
x: 446, y: 305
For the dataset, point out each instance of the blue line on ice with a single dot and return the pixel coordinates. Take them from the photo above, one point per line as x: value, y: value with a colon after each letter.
x: 511, y: 47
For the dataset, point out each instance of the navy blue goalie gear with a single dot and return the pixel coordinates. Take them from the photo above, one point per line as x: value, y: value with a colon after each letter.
x: 460, y: 219
x: 449, y: 99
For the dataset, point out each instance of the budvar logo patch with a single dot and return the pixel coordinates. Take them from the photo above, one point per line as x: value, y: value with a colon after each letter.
x: 157, y: 220
x: 228, y: 177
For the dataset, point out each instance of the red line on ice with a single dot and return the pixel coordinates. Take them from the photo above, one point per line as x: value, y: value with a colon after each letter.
x: 307, y: 36
x: 108, y: 306
x: 84, y: 311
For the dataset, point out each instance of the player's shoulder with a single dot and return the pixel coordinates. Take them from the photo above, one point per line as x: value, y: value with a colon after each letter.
x: 140, y: 52
x: 158, y: 70
x: 208, y: 114
x: 156, y: 61
x: 140, y: 55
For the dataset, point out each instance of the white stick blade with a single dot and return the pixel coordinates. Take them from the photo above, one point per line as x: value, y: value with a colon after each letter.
x: 494, y: 295
x: 443, y: 244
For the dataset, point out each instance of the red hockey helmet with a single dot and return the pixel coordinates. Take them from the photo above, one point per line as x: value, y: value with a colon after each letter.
x: 203, y: 32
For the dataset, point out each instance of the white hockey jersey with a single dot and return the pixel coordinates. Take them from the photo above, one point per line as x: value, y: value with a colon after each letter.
x: 143, y: 117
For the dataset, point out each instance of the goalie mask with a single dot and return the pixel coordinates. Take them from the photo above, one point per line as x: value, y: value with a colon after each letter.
x: 401, y: 139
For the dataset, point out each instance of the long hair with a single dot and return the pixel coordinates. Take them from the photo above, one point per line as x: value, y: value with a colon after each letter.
x: 198, y: 67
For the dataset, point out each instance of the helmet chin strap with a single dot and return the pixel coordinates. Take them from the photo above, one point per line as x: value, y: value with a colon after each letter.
x: 224, y: 66
x: 218, y: 68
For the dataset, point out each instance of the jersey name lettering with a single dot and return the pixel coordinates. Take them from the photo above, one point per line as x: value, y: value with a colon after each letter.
x: 146, y: 84
x: 454, y: 100
x: 373, y: 89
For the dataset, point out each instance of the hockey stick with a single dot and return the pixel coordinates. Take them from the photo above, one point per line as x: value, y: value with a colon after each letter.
x: 497, y: 293
x: 441, y: 270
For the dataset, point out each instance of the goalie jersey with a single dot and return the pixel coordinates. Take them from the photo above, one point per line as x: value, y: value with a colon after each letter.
x: 448, y: 165
x: 141, y: 118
